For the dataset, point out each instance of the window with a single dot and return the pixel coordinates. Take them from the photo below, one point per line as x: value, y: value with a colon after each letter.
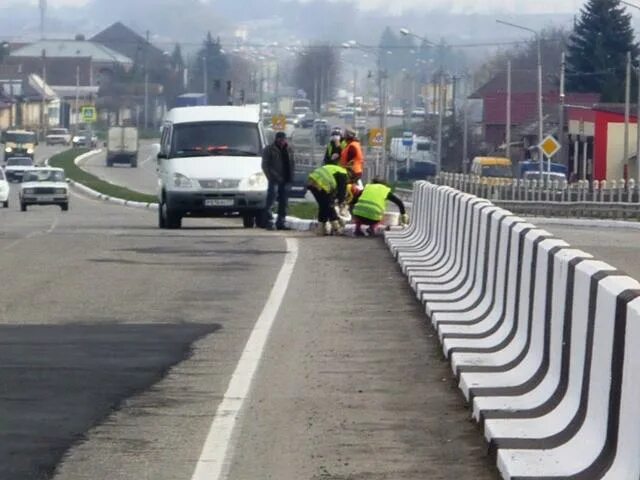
x: 216, y: 138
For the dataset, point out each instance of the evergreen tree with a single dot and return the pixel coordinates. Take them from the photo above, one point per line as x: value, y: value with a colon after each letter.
x: 177, y: 61
x: 596, y: 60
x: 211, y: 57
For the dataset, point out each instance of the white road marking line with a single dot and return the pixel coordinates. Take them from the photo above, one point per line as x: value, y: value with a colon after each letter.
x: 33, y: 234
x: 216, y: 455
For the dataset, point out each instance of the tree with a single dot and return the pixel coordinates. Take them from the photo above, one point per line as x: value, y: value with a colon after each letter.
x: 597, y: 50
x: 177, y: 62
x: 316, y: 72
x: 211, y: 58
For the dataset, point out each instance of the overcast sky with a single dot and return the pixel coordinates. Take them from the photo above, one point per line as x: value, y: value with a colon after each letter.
x: 475, y: 6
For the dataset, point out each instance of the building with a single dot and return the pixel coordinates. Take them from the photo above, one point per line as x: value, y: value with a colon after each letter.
x: 104, y: 62
x: 596, y: 143
x: 33, y: 101
x: 524, y: 104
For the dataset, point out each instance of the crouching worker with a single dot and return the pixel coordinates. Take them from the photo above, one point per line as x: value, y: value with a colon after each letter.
x: 371, y: 205
x: 328, y: 185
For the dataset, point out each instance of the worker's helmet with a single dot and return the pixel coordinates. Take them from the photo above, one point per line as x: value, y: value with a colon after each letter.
x: 349, y: 133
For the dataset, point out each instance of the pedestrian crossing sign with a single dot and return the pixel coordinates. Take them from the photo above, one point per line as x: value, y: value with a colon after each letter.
x: 88, y: 114
x: 376, y: 137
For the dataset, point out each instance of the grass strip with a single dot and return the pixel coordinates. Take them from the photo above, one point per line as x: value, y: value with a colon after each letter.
x: 65, y: 160
x: 304, y: 210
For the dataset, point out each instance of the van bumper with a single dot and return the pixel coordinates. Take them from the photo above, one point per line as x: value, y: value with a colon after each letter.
x: 200, y: 204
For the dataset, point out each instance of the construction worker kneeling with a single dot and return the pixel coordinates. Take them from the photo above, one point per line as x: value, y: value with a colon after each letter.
x: 371, y: 205
x: 328, y: 185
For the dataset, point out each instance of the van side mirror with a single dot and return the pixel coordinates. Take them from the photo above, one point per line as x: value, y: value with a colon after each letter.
x: 162, y: 155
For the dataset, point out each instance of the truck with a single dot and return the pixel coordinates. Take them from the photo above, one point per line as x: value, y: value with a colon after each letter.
x: 122, y: 146
x: 19, y: 143
x: 191, y: 100
x: 416, y: 161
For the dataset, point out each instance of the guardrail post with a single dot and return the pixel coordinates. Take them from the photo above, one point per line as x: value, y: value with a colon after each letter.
x: 603, y: 187
x: 595, y: 191
x: 630, y: 186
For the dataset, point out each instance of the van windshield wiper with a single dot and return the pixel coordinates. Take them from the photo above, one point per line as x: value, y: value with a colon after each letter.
x: 238, y: 151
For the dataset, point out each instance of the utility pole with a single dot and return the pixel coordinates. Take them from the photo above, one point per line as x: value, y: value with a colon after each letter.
x: 277, y: 90
x: 261, y: 89
x: 355, y: 87
x: 205, y: 81
x: 43, y: 11
x: 441, y: 107
x: 453, y: 99
x: 540, y: 112
x: 465, y: 128
x: 146, y: 82
x: 383, y: 119
x: 627, y: 109
x: 508, y: 133
x: 44, y: 92
x: 75, y: 114
x: 563, y: 68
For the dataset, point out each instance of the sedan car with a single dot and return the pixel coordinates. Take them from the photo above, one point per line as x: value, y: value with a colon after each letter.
x: 44, y: 186
x: 15, y: 167
x: 4, y: 190
x: 58, y: 136
x: 85, y: 138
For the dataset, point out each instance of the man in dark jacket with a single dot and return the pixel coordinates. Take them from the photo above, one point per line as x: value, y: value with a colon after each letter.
x: 278, y: 166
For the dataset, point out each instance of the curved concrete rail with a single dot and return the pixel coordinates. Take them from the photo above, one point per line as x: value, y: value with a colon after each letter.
x: 543, y: 339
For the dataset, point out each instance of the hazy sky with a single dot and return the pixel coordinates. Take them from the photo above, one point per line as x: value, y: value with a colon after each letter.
x: 476, y: 6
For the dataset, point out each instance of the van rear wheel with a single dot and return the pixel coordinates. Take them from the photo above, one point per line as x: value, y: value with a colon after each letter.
x: 169, y: 218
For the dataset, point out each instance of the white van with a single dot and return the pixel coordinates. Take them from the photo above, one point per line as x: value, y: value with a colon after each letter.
x: 210, y: 165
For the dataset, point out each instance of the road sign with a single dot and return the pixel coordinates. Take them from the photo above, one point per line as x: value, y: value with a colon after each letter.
x: 88, y: 114
x: 279, y: 123
x: 407, y: 139
x: 550, y: 146
x: 376, y: 137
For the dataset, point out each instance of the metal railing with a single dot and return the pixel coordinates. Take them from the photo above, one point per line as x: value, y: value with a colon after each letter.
x: 618, y: 199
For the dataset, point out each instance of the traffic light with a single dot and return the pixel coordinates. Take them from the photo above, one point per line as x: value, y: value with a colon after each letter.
x: 216, y: 84
x: 242, y: 98
x: 229, y: 88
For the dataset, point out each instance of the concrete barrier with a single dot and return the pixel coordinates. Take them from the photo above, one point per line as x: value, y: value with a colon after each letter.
x: 543, y: 339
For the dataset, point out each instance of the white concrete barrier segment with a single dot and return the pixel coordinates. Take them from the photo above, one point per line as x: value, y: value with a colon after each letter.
x: 543, y: 339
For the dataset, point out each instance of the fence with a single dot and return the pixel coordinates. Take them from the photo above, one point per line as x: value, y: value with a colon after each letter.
x: 616, y: 199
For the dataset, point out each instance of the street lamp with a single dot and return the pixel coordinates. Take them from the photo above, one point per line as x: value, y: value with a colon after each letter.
x: 540, y: 113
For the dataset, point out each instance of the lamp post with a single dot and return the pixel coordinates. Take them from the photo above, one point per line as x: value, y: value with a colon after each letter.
x: 540, y: 113
x: 441, y: 107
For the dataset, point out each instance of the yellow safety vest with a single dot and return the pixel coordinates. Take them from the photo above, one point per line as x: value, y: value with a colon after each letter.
x: 323, y: 177
x: 373, y: 202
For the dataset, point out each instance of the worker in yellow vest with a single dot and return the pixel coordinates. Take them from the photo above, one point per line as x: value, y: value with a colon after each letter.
x: 371, y: 205
x: 328, y: 185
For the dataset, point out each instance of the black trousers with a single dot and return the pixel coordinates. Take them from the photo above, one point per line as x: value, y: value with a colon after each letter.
x: 326, y: 212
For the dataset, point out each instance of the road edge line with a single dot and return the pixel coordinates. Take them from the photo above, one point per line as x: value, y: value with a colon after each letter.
x: 217, y: 451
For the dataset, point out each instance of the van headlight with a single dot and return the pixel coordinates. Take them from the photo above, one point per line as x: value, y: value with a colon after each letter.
x: 257, y: 181
x: 30, y: 151
x: 8, y: 149
x: 182, y: 181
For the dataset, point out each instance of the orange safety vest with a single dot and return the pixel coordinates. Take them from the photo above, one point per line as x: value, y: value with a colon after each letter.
x: 356, y: 164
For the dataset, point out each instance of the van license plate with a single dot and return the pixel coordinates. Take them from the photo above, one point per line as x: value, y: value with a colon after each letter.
x: 218, y: 202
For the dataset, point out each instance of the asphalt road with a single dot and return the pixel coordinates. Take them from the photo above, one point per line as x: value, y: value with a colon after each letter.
x: 118, y: 342
x: 619, y: 247
x: 142, y: 179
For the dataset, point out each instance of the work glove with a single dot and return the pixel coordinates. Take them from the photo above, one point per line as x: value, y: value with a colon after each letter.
x: 404, y: 219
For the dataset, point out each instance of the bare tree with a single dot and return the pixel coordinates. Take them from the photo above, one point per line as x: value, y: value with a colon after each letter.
x: 316, y: 72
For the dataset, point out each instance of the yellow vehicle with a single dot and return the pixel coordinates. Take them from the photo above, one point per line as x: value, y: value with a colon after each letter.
x: 19, y: 143
x: 492, y: 170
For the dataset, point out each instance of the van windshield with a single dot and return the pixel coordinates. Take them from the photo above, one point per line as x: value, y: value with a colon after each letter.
x: 216, y: 138
x: 16, y: 137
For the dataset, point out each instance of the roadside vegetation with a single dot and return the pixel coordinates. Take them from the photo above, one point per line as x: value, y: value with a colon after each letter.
x: 65, y: 160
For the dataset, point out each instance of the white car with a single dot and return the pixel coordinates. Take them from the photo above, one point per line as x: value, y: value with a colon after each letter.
x: 15, y: 167
x: 210, y: 165
x: 58, y: 136
x: 397, y: 112
x: 4, y: 190
x: 44, y: 186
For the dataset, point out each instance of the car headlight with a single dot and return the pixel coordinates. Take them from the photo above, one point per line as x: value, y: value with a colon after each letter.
x: 257, y: 181
x: 182, y: 181
x: 8, y: 149
x: 61, y: 191
x: 29, y: 151
x: 76, y: 139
